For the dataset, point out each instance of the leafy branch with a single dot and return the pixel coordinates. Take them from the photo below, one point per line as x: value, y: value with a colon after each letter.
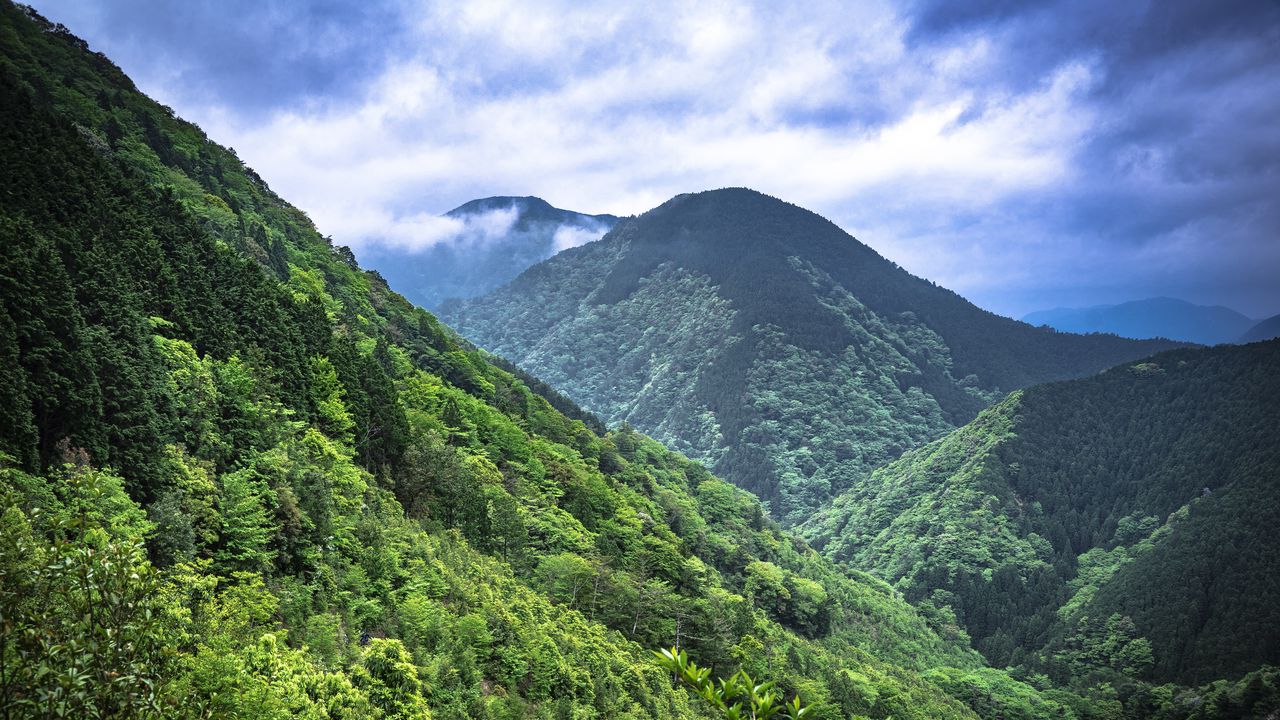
x: 737, y: 697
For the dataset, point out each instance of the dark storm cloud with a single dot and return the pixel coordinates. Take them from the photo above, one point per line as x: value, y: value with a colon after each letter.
x: 1026, y: 154
x: 253, y: 56
x: 1188, y: 93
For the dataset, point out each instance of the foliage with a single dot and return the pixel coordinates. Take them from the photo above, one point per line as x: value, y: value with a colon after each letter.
x: 346, y: 510
x: 310, y: 499
x: 1099, y: 530
x: 735, y: 698
x: 82, y: 633
x: 765, y: 342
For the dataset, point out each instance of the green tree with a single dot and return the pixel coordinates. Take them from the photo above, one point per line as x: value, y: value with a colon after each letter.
x: 83, y: 632
x: 246, y: 506
x: 565, y: 577
x: 391, y: 681
x: 326, y: 393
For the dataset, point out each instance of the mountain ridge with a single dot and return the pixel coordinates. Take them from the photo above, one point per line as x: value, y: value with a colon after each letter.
x: 785, y: 300
x: 534, y: 207
x: 1264, y: 330
x: 1157, y: 317
x: 239, y: 476
x: 1143, y: 492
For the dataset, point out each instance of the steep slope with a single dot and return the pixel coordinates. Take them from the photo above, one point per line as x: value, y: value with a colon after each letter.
x: 1150, y: 318
x: 1265, y: 330
x: 241, y: 478
x: 765, y: 341
x: 495, y: 240
x: 1139, y: 505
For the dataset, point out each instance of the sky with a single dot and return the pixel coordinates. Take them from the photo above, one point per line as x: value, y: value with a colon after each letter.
x: 1026, y: 154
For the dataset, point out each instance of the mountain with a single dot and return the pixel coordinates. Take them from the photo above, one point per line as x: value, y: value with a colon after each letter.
x: 1264, y: 330
x: 1119, y: 524
x: 241, y: 477
x: 496, y: 238
x: 761, y: 339
x: 1151, y: 318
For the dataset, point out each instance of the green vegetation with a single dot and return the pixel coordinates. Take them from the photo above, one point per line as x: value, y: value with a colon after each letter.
x: 764, y: 341
x: 241, y: 478
x: 1117, y: 529
x: 736, y: 698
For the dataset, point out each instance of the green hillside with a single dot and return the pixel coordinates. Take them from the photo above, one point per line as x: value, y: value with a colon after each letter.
x: 1118, y: 525
x: 243, y: 479
x: 763, y: 340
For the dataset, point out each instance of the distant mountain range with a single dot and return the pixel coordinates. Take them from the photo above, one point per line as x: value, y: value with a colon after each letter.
x: 1265, y: 330
x: 242, y: 477
x: 1159, y: 317
x: 762, y: 339
x: 218, y: 431
x: 496, y: 239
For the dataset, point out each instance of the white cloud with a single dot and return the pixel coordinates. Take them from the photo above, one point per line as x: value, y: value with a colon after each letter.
x: 709, y: 99
x: 416, y: 232
x: 568, y: 236
x: 914, y: 147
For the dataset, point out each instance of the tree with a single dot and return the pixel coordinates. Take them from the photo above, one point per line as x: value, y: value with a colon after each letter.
x: 391, y: 681
x: 82, y: 626
x: 565, y: 577
x: 247, y: 525
x: 326, y: 393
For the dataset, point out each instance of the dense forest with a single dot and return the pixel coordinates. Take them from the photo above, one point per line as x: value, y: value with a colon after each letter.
x: 241, y: 478
x: 764, y: 341
x: 1119, y: 525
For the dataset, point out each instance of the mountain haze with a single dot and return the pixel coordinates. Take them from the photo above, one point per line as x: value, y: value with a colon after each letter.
x: 761, y: 339
x: 1264, y: 330
x: 495, y: 239
x: 240, y: 477
x: 1150, y: 318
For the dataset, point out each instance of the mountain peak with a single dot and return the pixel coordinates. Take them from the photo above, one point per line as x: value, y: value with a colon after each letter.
x: 497, y: 238
x: 719, y: 230
x: 529, y: 208
x: 712, y: 204
x: 747, y: 331
x: 501, y: 202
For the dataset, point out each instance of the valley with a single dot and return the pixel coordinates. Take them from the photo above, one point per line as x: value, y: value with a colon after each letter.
x: 245, y: 475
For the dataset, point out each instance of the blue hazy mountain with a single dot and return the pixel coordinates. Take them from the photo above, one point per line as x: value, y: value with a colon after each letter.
x: 1265, y: 330
x: 1150, y: 318
x: 491, y: 241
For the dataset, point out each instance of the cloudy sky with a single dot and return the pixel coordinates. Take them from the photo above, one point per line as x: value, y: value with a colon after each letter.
x: 1025, y: 154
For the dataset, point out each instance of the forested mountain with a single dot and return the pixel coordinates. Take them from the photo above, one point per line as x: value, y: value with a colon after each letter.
x: 1123, y: 524
x: 1264, y: 330
x: 496, y: 239
x: 763, y: 340
x: 1150, y: 318
x: 241, y: 478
